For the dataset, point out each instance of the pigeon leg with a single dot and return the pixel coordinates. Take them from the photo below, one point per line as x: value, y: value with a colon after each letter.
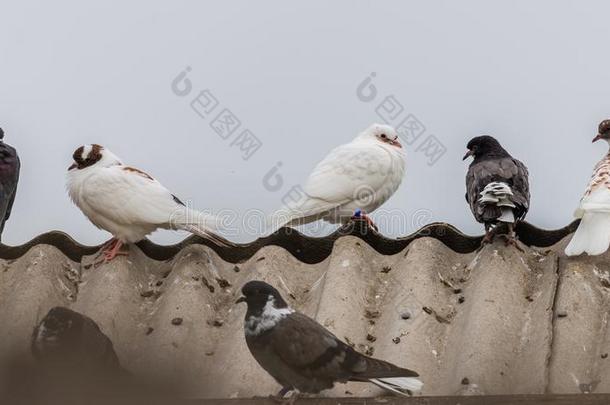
x: 105, y: 247
x: 511, y: 238
x: 370, y: 222
x: 360, y: 215
x: 280, y: 397
x: 284, y: 391
x: 490, y: 233
x: 113, y: 250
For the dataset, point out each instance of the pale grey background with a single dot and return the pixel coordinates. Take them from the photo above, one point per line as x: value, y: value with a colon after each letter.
x: 535, y: 75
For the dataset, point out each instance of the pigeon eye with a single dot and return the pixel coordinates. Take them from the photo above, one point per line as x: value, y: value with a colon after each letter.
x: 383, y: 136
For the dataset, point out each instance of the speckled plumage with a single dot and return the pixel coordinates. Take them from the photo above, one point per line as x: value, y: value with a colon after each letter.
x: 593, y: 234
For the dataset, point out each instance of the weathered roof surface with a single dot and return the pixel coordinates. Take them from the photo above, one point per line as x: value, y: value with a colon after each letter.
x: 494, y: 321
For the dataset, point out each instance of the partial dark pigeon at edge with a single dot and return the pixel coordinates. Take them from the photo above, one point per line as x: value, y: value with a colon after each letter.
x: 9, y: 177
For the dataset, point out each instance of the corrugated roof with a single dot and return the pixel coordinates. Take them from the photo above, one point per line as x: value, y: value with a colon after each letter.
x: 494, y: 321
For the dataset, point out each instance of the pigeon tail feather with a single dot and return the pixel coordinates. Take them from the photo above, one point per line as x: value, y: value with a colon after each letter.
x: 280, y: 218
x: 402, y: 386
x: 200, y: 224
x: 592, y: 236
x: 497, y: 203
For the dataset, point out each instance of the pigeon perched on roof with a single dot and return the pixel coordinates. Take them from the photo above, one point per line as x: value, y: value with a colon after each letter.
x: 360, y: 175
x: 497, y: 187
x: 127, y: 202
x: 301, y: 354
x: 71, y: 343
x: 9, y: 177
x: 593, y: 233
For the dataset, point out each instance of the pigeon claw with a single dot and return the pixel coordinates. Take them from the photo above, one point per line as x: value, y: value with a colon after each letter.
x: 110, y: 251
x: 512, y: 241
x: 282, y: 400
x: 488, y: 238
x: 360, y: 215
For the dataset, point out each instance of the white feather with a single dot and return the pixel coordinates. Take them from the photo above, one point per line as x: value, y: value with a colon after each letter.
x: 500, y: 194
x: 255, y: 325
x: 399, y: 385
x: 128, y: 203
x: 593, y: 233
x: 363, y: 174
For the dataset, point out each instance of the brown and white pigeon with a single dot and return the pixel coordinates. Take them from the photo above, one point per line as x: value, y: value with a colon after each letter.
x: 9, y: 177
x: 128, y: 202
x: 593, y: 233
x: 497, y: 187
x: 301, y: 354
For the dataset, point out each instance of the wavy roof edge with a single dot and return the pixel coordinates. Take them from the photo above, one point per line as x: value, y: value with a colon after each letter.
x: 305, y: 248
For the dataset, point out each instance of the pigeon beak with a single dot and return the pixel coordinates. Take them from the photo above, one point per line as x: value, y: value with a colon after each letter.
x: 468, y: 154
x: 74, y: 166
x: 396, y: 143
x: 597, y: 137
x: 240, y: 300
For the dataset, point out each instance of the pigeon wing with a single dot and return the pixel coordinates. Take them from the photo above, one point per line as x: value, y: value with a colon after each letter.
x: 9, y: 178
x: 506, y: 170
x: 346, y: 169
x: 129, y: 196
x: 309, y: 348
x: 521, y: 189
x: 315, y: 352
x: 347, y: 173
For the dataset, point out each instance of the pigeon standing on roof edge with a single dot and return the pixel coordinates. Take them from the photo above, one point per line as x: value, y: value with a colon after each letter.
x: 357, y: 176
x: 9, y: 178
x: 497, y: 187
x: 300, y: 354
x: 128, y: 202
x: 593, y: 233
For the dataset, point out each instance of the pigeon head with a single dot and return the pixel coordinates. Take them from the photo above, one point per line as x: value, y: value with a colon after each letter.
x: 603, y: 131
x: 483, y: 147
x: 382, y: 133
x: 89, y: 155
x: 72, y: 343
x: 258, y: 293
x: 55, y: 332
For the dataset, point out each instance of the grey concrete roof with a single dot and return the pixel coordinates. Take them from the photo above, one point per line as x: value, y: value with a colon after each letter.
x: 494, y: 321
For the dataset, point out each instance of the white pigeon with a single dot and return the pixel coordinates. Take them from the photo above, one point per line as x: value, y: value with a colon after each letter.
x: 127, y: 202
x: 593, y: 233
x: 356, y: 177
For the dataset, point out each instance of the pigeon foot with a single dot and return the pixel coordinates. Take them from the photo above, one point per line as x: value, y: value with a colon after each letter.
x: 488, y: 238
x: 279, y: 399
x: 360, y: 215
x: 111, y: 251
x: 511, y: 240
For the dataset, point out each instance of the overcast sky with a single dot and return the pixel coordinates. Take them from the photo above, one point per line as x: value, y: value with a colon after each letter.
x: 533, y: 74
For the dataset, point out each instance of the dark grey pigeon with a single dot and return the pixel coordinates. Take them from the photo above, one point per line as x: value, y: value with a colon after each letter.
x: 301, y: 354
x: 72, y: 346
x: 497, y: 187
x: 9, y: 177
